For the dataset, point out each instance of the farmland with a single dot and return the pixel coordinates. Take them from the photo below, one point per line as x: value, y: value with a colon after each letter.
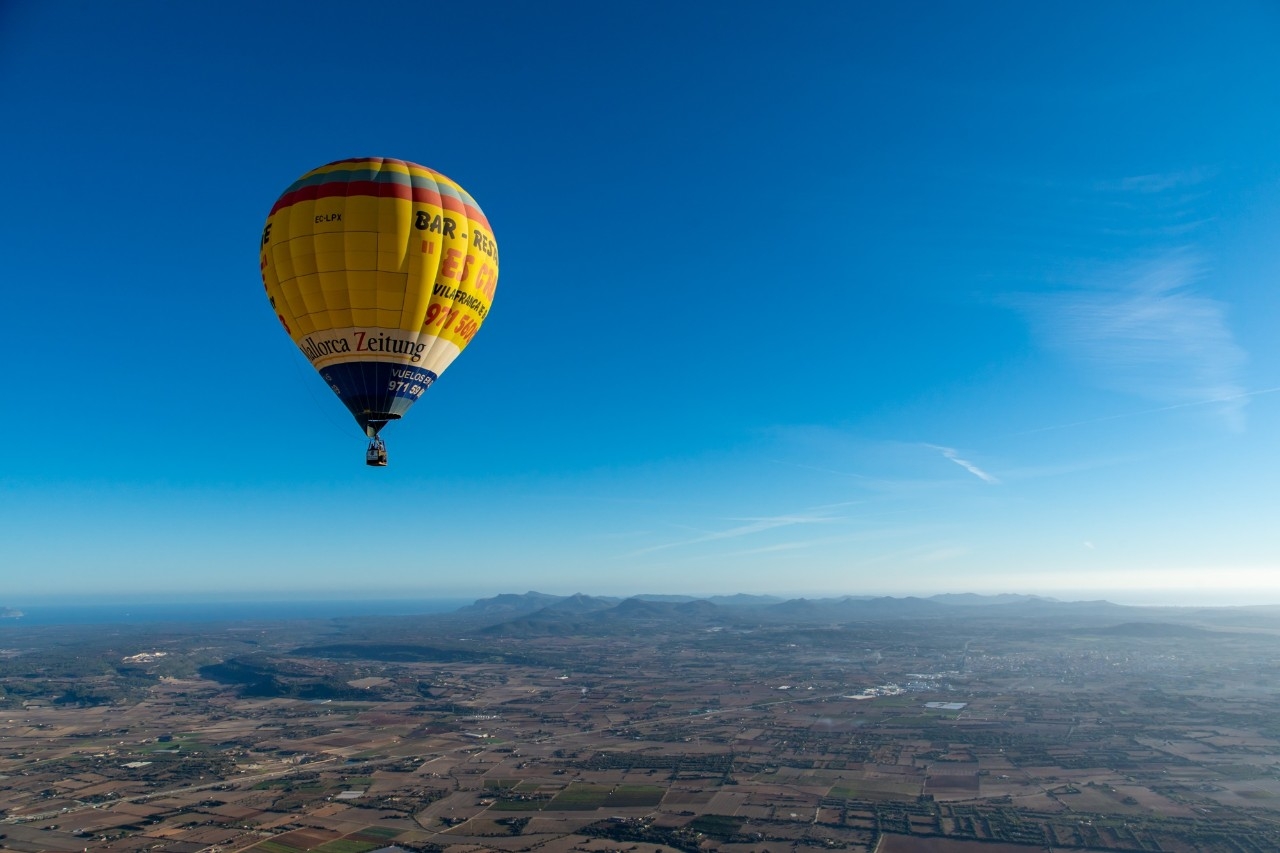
x: 959, y: 733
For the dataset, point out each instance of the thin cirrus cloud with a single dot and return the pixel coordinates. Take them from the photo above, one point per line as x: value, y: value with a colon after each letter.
x: 1143, y: 330
x: 819, y: 515
x: 1160, y: 182
x: 1241, y: 397
x: 863, y: 537
x: 953, y: 455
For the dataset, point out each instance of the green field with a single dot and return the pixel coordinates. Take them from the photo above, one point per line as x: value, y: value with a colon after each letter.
x: 520, y: 805
x: 636, y: 795
x: 716, y: 825
x: 581, y: 796
x: 347, y: 845
x: 289, y: 784
x: 187, y: 743
x: 501, y: 783
x: 1256, y: 795
x: 276, y: 847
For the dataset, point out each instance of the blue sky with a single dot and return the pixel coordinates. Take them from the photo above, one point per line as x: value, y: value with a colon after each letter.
x: 830, y: 298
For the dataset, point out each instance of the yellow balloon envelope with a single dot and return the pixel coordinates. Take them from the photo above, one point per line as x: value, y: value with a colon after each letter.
x: 381, y: 271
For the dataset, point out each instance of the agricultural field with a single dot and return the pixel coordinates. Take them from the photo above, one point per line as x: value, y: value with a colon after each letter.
x: 973, y: 735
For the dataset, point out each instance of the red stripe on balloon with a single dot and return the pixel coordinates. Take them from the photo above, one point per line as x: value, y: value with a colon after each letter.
x: 379, y: 189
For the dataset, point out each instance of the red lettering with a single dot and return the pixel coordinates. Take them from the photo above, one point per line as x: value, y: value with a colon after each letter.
x: 466, y: 328
x: 438, y: 316
x: 449, y: 269
x: 486, y: 281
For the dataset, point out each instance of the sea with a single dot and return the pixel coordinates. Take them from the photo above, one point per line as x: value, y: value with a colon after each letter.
x: 126, y: 612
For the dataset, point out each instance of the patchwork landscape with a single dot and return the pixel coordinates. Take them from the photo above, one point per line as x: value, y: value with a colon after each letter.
x: 946, y: 725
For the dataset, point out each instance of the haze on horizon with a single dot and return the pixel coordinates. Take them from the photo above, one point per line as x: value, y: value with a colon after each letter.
x: 836, y: 300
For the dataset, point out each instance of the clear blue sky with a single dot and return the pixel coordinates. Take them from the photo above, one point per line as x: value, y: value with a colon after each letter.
x: 809, y: 298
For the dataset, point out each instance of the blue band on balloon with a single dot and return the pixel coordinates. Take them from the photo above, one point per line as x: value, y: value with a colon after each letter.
x: 377, y: 387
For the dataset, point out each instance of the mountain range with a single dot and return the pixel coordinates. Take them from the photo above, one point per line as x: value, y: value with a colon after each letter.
x: 535, y: 613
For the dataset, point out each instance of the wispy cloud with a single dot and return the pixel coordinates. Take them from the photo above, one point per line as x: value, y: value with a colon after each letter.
x: 1233, y: 398
x: 1159, y: 182
x: 950, y: 453
x: 875, y: 469
x: 858, y: 537
x: 817, y: 515
x: 1143, y: 330
x: 1072, y: 466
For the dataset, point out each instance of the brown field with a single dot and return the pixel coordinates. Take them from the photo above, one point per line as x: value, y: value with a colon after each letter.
x: 625, y: 740
x: 911, y: 844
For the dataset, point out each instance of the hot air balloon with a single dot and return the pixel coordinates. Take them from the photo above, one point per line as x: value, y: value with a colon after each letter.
x: 381, y: 271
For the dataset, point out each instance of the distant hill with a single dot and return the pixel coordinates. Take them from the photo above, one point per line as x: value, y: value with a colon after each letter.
x: 970, y: 599
x: 740, y: 599
x: 1035, y: 606
x: 539, y: 614
x: 851, y: 608
x: 509, y: 605
x: 743, y: 600
x: 1152, y: 629
x: 638, y: 608
x: 671, y: 598
x: 1266, y: 616
x: 578, y: 604
x: 589, y: 615
x: 596, y: 616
